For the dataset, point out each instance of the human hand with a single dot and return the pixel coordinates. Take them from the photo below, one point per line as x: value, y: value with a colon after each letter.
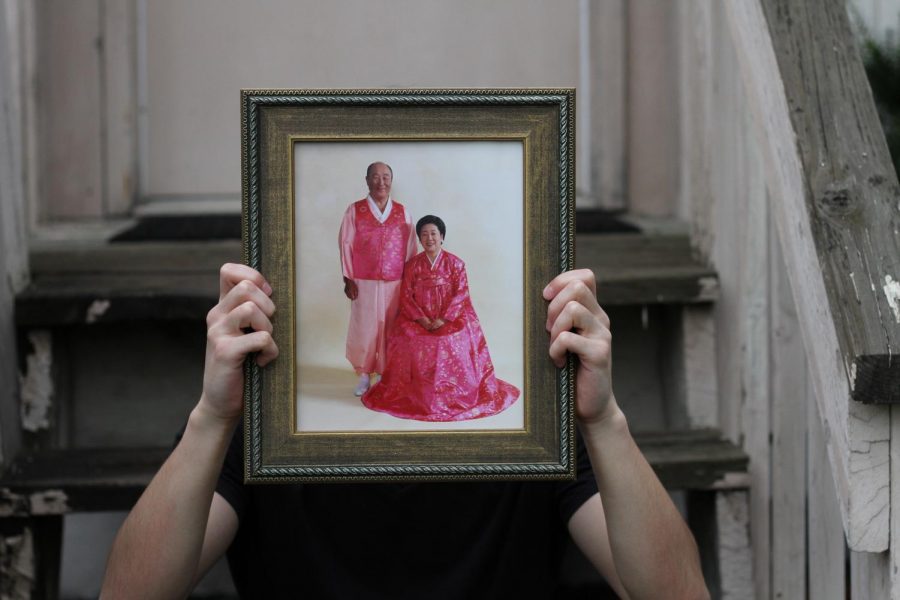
x: 350, y: 289
x: 425, y: 322
x: 578, y: 325
x: 437, y: 324
x: 243, y: 303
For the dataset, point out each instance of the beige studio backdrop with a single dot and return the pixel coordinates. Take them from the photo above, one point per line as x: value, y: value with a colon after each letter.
x: 476, y: 187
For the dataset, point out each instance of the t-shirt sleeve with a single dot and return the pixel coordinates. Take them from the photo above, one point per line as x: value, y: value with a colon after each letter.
x: 570, y: 495
x: 231, y: 479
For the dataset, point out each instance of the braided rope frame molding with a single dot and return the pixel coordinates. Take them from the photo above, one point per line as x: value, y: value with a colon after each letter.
x: 251, y: 101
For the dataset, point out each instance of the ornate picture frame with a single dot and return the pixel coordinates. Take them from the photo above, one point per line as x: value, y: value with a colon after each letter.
x: 499, y: 165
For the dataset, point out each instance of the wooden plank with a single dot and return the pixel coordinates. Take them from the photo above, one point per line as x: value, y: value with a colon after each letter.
x: 895, y: 504
x: 67, y: 300
x: 689, y: 368
x: 697, y: 109
x: 735, y: 183
x: 608, y: 87
x: 826, y: 550
x: 13, y: 258
x: 120, y: 106
x: 652, y: 124
x: 754, y: 328
x: 132, y: 258
x: 825, y: 150
x: 112, y: 478
x: 734, y: 547
x: 70, y: 122
x: 93, y: 282
x: 691, y: 460
x: 788, y: 371
x: 869, y: 575
x: 645, y: 269
x: 98, y: 479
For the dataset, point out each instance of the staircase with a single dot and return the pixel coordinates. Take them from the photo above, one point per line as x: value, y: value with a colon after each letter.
x: 110, y: 422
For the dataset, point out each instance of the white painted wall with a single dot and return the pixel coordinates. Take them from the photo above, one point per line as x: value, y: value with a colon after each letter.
x: 201, y: 53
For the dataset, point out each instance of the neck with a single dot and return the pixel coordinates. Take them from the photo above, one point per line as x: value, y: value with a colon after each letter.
x: 381, y: 203
x: 432, y: 254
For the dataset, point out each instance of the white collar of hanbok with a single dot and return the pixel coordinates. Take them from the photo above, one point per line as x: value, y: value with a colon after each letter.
x: 434, y: 262
x: 381, y: 216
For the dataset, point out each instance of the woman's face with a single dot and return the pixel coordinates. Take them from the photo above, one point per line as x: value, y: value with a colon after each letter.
x: 430, y: 238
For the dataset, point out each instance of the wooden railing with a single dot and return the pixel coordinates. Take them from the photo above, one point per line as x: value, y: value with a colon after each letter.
x: 837, y: 203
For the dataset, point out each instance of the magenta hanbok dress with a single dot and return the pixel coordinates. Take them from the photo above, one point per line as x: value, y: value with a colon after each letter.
x: 442, y: 375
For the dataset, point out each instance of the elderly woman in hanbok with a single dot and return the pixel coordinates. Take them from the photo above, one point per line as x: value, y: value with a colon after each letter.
x: 438, y: 364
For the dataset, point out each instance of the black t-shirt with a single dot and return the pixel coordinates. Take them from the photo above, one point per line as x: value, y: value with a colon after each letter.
x: 414, y: 540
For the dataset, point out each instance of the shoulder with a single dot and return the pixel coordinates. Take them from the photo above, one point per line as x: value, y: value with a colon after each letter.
x: 415, y: 260
x: 403, y: 211
x: 354, y: 207
x: 453, y: 260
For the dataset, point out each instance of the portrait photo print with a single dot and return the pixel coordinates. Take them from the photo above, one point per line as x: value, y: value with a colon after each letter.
x: 476, y: 188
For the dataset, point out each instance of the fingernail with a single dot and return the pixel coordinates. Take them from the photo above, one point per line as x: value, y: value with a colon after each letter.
x: 267, y: 288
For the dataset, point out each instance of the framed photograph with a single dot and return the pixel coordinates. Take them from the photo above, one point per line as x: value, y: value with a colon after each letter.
x: 408, y: 235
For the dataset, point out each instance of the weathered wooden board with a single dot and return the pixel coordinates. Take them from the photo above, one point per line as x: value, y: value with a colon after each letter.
x: 836, y: 209
x: 756, y: 399
x: 697, y: 109
x: 691, y: 459
x: 826, y: 549
x: 70, y: 175
x: 119, y: 91
x: 735, y: 550
x: 13, y: 257
x: 788, y: 372
x: 132, y: 258
x: 652, y: 122
x: 61, y: 481
x: 645, y: 269
x: 100, y: 282
x: 895, y: 504
x: 869, y: 576
x: 689, y: 368
x: 608, y: 87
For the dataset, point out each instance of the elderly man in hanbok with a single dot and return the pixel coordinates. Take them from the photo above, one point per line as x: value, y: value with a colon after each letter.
x: 376, y: 240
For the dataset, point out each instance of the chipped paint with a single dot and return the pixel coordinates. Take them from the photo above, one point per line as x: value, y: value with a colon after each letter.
x: 709, y: 288
x: 852, y: 376
x: 96, y: 310
x: 17, y: 569
x: 855, y: 290
x: 892, y: 293
x: 49, y: 502
x: 37, y: 383
x: 13, y: 505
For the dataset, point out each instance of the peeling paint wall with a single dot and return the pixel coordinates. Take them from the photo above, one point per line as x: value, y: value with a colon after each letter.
x: 37, y: 383
x: 892, y: 293
x: 16, y: 566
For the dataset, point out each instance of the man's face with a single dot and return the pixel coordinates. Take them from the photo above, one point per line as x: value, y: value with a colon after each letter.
x: 379, y: 182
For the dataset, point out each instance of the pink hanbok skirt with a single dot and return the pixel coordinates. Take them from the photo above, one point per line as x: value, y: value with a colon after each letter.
x: 444, y: 375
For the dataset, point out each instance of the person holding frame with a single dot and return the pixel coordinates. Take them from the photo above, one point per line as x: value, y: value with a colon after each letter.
x: 187, y: 518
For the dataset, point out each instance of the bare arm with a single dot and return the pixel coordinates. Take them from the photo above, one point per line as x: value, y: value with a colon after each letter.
x: 164, y: 543
x: 653, y: 553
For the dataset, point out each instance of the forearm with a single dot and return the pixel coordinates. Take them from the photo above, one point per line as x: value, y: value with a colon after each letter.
x: 654, y: 552
x: 156, y: 552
